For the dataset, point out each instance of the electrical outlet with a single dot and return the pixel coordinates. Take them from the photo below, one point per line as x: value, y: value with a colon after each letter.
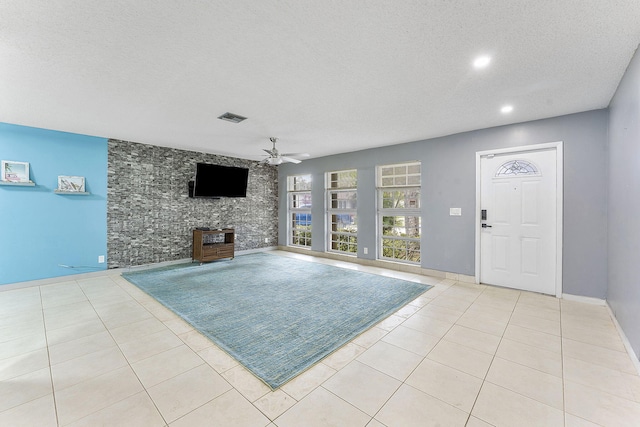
x: 101, y: 259
x: 366, y: 251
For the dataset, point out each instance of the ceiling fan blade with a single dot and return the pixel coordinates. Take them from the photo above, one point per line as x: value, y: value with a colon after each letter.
x: 296, y: 154
x: 268, y: 151
x: 289, y: 159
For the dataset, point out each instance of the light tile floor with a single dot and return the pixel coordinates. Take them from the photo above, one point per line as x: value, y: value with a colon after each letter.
x: 99, y: 351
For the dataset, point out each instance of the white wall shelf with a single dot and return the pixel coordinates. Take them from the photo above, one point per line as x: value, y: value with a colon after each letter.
x: 19, y: 184
x: 74, y: 193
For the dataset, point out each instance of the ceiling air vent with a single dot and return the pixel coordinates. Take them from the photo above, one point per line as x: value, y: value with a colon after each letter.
x: 230, y: 117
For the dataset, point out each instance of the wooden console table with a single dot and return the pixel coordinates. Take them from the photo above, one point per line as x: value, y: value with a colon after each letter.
x: 209, y: 245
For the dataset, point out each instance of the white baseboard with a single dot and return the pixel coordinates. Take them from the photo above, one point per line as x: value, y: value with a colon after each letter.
x: 587, y: 300
x: 602, y: 302
x: 121, y: 270
x: 112, y: 271
x: 625, y: 340
x: 52, y: 280
x: 391, y: 265
x: 253, y: 251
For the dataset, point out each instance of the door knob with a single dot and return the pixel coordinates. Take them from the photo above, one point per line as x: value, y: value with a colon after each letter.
x: 486, y: 226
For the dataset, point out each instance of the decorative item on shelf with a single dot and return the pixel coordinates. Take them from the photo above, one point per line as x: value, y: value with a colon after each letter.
x: 15, y: 172
x: 71, y: 185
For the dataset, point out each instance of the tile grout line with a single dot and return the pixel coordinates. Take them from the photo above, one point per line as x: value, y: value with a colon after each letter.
x: 196, y: 353
x: 403, y: 382
x: 125, y: 358
x: 564, y: 391
x: 405, y: 319
x: 502, y: 338
x: 320, y: 385
x: 493, y: 357
x: 203, y: 360
x: 46, y: 340
x: 441, y: 339
x: 538, y: 370
x: 372, y: 417
x: 564, y: 404
x: 128, y: 362
x: 563, y: 374
x: 184, y: 343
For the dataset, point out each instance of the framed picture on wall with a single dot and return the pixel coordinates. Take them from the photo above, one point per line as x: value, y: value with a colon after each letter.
x: 14, y: 171
x: 72, y: 184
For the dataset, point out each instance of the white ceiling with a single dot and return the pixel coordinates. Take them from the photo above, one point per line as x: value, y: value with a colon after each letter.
x: 323, y: 76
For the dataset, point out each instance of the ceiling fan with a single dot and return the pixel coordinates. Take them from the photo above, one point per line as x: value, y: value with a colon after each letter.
x: 277, y: 158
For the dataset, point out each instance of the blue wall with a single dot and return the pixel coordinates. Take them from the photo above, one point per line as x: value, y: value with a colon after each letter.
x: 39, y: 230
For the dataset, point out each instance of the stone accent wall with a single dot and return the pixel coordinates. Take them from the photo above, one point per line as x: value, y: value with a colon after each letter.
x: 150, y: 216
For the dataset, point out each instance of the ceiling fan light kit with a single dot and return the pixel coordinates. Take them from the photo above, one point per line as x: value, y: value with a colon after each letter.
x: 275, y: 158
x: 273, y: 161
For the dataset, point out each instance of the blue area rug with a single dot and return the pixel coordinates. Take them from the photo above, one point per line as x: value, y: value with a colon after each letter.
x: 276, y: 315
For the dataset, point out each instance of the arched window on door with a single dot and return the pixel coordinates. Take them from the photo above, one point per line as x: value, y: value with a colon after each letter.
x: 517, y: 168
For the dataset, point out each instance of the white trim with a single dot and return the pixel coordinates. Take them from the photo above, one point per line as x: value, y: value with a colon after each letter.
x: 583, y: 299
x: 407, y: 164
x: 381, y: 263
x: 625, y: 340
x: 558, y: 147
x: 112, y: 271
x: 559, y: 214
x: 296, y: 211
x: 82, y: 276
x: 253, y: 251
x: 478, y: 213
x: 327, y: 179
x: 53, y: 280
x: 381, y: 211
x: 623, y: 336
x: 523, y: 148
x: 330, y: 211
x: 290, y: 209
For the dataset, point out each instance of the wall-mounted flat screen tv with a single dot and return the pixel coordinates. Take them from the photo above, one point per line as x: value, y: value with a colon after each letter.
x: 215, y: 181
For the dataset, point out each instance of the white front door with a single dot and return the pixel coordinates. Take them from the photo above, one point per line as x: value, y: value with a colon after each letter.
x: 518, y: 238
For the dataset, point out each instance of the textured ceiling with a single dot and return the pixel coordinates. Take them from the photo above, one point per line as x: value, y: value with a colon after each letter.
x: 323, y: 76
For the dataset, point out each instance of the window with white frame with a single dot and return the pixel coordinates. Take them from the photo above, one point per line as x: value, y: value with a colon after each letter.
x: 399, y: 226
x: 299, y: 210
x: 342, y: 204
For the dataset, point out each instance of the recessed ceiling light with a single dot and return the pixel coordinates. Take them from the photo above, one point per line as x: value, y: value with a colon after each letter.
x: 481, y: 62
x: 506, y: 109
